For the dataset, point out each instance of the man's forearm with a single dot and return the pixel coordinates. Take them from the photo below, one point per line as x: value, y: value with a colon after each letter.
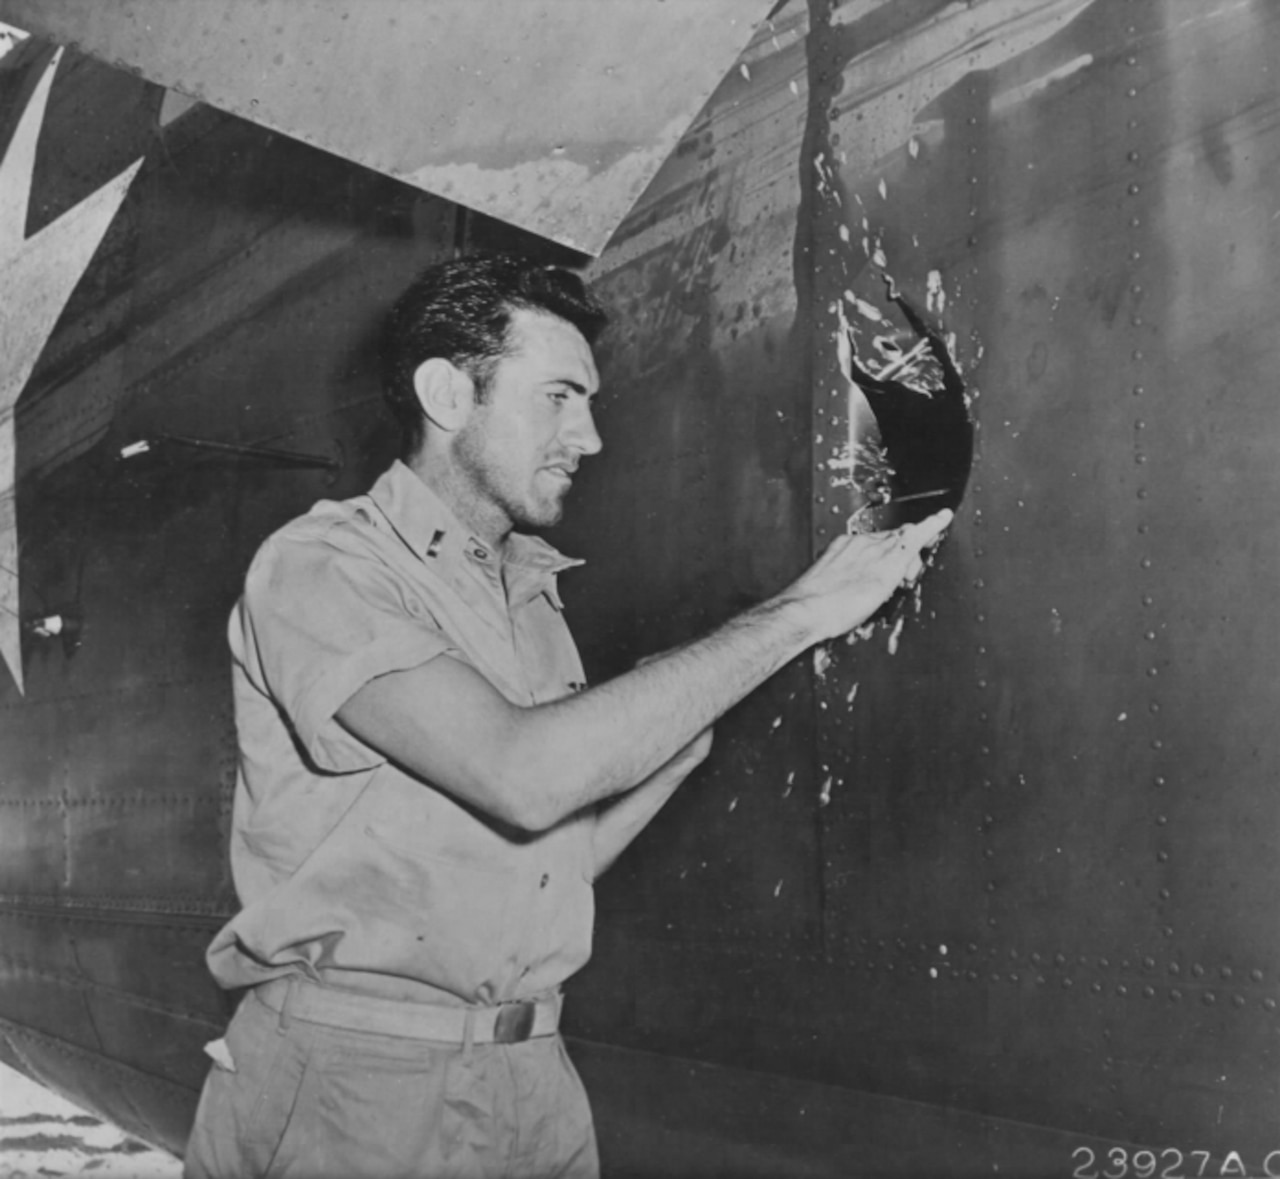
x: 618, y: 734
x: 621, y: 819
x: 604, y: 741
x: 531, y: 767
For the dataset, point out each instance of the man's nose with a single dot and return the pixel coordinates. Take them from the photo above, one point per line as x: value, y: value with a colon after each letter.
x: 581, y: 433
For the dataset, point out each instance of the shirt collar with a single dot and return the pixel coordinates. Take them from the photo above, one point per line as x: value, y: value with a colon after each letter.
x: 530, y: 569
x: 423, y: 522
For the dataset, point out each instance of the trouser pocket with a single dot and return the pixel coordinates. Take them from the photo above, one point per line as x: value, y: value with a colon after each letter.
x: 251, y: 1098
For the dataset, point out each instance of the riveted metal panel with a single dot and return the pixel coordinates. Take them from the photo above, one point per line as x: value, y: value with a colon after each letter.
x: 1051, y: 814
x: 1039, y: 810
x: 32, y: 843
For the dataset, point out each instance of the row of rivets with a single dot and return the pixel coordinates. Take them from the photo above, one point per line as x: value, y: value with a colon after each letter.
x: 981, y: 663
x: 1067, y: 982
x: 869, y: 953
x: 1151, y: 631
x: 1174, y: 994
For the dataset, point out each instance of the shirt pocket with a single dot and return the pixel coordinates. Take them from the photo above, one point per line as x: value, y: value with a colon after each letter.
x: 444, y: 920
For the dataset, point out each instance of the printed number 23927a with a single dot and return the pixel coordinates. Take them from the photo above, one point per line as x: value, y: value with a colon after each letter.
x: 1120, y: 1163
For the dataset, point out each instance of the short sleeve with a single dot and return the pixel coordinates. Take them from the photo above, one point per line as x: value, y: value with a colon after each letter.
x: 321, y: 616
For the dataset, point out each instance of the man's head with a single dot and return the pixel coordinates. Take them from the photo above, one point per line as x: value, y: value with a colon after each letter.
x: 490, y: 371
x: 460, y: 311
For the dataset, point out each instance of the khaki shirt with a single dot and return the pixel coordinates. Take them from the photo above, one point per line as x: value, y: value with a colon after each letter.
x: 349, y: 869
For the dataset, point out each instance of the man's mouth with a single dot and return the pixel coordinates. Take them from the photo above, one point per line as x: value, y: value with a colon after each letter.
x: 563, y: 472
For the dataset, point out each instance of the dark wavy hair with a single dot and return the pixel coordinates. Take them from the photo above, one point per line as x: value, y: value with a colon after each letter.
x: 461, y: 311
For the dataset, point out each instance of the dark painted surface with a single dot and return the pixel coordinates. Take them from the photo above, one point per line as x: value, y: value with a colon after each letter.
x: 1034, y: 895
x: 669, y: 1116
x: 1010, y: 863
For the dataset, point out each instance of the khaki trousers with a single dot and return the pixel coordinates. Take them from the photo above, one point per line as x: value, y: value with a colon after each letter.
x: 307, y: 1101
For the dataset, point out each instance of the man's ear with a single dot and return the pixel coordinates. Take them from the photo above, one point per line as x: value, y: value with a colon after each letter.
x: 445, y: 392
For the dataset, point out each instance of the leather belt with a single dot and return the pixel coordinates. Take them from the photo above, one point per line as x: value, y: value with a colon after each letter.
x: 294, y: 997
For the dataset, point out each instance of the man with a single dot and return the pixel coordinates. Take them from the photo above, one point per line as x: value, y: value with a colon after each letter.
x: 426, y: 793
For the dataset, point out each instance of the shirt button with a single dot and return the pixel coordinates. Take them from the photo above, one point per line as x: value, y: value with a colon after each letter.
x: 546, y: 877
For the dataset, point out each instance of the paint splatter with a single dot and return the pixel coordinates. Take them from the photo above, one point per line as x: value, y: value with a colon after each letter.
x: 936, y: 296
x: 867, y: 310
x: 824, y: 797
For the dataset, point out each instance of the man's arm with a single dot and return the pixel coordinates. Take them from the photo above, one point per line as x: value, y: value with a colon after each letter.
x: 621, y: 819
x: 532, y: 767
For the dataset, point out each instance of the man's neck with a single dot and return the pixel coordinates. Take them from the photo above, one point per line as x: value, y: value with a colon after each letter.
x: 486, y: 522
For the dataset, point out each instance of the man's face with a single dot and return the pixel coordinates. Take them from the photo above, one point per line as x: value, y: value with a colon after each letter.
x: 521, y: 446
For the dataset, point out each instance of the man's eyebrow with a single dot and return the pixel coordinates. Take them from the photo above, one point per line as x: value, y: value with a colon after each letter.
x: 576, y: 386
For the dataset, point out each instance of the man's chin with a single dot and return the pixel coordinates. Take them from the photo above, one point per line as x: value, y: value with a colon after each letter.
x: 546, y: 514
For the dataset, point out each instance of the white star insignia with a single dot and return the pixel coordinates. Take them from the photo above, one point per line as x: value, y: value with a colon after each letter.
x: 37, y: 276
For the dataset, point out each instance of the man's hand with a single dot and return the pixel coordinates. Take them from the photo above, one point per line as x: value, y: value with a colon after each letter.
x: 692, y: 755
x: 858, y: 574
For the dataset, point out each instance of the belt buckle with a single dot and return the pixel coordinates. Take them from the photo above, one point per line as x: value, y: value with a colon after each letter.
x: 515, y: 1022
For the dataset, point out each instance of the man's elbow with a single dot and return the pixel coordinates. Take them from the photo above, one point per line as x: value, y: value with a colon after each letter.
x: 510, y: 797
x: 530, y: 800
x: 524, y: 814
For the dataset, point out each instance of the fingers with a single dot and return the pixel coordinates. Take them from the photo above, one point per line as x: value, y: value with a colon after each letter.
x: 872, y: 565
x: 913, y: 539
x: 924, y: 533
